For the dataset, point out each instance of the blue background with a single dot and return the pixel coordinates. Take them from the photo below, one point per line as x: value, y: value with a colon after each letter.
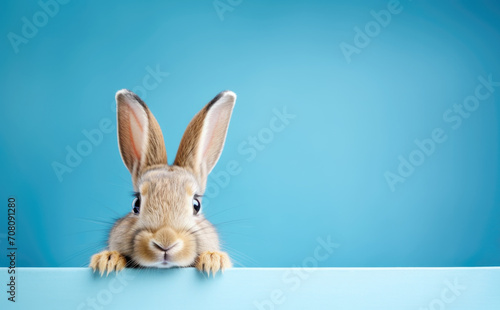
x: 322, y: 176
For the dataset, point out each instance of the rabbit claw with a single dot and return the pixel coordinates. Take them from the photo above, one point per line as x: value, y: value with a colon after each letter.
x: 107, y: 261
x: 213, y: 262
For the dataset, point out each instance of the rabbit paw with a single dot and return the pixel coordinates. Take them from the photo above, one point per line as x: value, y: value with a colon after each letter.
x: 213, y: 262
x: 107, y: 261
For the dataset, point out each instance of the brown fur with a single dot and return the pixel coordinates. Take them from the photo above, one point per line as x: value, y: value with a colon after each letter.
x: 138, y: 155
x: 201, y: 157
x: 166, y: 233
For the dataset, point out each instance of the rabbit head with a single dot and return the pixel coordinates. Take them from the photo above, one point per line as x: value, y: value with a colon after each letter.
x: 166, y: 227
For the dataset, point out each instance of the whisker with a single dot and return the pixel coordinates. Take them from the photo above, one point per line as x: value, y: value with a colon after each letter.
x: 88, y: 231
x: 93, y: 248
x: 233, y: 221
x: 241, y: 254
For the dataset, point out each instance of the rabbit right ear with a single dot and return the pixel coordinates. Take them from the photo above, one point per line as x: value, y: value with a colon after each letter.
x: 203, y: 140
x: 139, y: 135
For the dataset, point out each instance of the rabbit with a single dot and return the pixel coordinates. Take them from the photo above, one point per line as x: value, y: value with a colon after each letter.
x: 166, y: 227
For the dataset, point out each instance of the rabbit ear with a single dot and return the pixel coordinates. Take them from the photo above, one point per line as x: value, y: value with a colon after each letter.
x: 205, y: 135
x: 139, y: 135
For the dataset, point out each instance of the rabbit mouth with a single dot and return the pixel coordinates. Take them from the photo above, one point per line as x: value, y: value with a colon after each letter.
x: 165, y: 261
x: 165, y: 264
x: 160, y: 263
x: 168, y: 261
x: 164, y: 249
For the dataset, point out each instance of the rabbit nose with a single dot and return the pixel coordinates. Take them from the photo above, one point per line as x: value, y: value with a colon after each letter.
x: 163, y: 248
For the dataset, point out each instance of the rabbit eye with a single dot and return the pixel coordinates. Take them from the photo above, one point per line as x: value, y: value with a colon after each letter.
x: 136, y: 204
x: 196, y: 205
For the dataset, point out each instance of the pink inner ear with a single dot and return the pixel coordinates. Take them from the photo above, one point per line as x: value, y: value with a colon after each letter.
x: 214, y: 132
x: 136, y: 132
x: 212, y: 123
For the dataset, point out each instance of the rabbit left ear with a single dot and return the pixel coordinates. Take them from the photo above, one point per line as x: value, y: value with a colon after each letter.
x: 139, y: 135
x: 203, y: 140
